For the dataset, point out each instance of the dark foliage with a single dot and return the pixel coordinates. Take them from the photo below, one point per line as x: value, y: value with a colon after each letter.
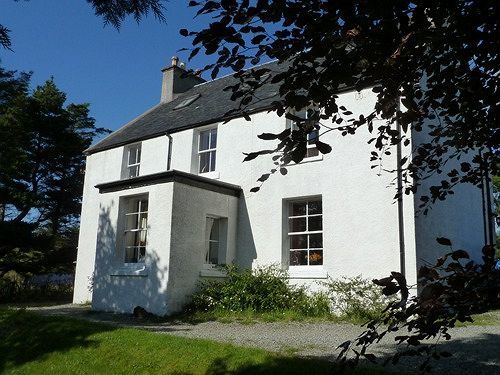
x: 439, y: 61
x: 41, y: 175
x: 450, y: 291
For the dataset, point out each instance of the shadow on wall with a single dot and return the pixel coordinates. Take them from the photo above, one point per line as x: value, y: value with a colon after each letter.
x: 120, y: 288
x: 246, y: 252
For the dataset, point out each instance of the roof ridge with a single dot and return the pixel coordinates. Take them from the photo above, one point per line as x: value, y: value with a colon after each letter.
x: 233, y: 73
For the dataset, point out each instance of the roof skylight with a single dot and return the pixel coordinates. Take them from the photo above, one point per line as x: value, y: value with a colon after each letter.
x: 187, y: 101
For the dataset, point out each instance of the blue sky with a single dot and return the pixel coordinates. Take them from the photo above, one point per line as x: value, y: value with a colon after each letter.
x: 117, y: 72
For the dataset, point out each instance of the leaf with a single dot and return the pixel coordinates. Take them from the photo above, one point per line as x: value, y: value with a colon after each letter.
x: 258, y: 39
x: 254, y: 189
x: 215, y: 71
x: 264, y: 177
x: 283, y: 171
x: 268, y: 136
x: 460, y: 254
x: 184, y: 32
x: 443, y: 241
x: 193, y: 53
x: 323, y: 147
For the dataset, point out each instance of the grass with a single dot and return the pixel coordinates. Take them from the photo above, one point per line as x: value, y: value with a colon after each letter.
x: 490, y: 318
x: 34, y: 344
x: 250, y: 316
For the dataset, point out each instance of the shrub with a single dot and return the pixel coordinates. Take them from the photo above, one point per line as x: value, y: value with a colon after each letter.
x: 356, y: 298
x: 264, y: 289
x: 17, y: 287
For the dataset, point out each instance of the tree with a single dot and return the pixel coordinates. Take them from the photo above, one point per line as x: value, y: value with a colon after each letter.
x: 112, y: 11
x: 42, y: 140
x: 440, y: 61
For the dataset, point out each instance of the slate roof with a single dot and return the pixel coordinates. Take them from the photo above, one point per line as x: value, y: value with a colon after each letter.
x: 209, y: 108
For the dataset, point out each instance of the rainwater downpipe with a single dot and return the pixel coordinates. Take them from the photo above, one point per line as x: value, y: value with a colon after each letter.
x: 169, y: 153
x: 401, y: 225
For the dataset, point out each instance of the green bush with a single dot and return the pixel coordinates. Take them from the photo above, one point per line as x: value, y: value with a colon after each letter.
x: 16, y: 287
x: 264, y: 289
x: 356, y: 298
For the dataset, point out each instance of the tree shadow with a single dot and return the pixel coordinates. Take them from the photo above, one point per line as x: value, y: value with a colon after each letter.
x: 25, y: 337
x: 477, y: 354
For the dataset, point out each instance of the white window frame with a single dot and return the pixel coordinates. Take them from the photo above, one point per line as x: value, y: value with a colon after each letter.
x: 307, y: 232
x: 209, y: 150
x: 137, y: 164
x: 130, y: 204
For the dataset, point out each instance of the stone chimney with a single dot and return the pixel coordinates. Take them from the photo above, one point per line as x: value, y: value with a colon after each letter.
x: 174, y: 81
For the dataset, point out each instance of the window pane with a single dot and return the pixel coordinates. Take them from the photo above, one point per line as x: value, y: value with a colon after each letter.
x: 204, y: 162
x: 132, y: 222
x: 312, y: 151
x: 144, y: 205
x: 136, y: 238
x: 298, y: 209
x: 212, y: 161
x: 213, y: 138
x: 298, y: 258
x: 315, y: 257
x: 314, y: 207
x: 143, y: 222
x: 213, y: 253
x: 214, y: 232
x: 297, y: 225
x: 298, y: 241
x: 315, y: 223
x: 131, y: 255
x: 132, y: 155
x: 204, y: 140
x: 133, y: 171
x: 315, y: 241
x: 312, y: 137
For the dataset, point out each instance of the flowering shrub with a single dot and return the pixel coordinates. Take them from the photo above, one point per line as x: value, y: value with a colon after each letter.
x: 356, y: 298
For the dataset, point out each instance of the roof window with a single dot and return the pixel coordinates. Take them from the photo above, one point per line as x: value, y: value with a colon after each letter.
x: 187, y: 101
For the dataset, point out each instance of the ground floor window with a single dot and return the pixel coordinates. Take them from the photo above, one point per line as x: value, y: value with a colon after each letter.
x: 216, y: 238
x: 136, y: 229
x: 305, y: 232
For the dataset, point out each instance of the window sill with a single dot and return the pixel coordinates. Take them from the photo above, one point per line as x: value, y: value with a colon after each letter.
x: 213, y: 175
x: 307, y: 272
x: 130, y: 270
x: 212, y: 272
x: 308, y: 160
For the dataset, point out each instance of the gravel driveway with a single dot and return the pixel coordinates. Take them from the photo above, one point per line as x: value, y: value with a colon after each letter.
x: 476, y: 349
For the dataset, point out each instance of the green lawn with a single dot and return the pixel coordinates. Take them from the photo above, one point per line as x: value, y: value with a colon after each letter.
x: 33, y: 344
x: 490, y: 318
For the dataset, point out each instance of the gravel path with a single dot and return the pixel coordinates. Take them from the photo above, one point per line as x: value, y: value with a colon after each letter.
x: 476, y: 349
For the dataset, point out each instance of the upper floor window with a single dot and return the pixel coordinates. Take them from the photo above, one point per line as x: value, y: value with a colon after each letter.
x: 305, y: 232
x: 132, y: 159
x: 312, y: 136
x: 207, y: 145
x: 136, y: 229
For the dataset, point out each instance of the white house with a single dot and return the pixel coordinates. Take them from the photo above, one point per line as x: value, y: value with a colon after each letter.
x: 167, y: 197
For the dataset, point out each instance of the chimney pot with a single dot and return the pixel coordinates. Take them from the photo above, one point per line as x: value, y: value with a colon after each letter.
x: 175, y: 60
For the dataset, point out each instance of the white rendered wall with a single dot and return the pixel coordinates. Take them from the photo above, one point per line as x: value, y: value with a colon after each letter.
x: 118, y: 287
x: 191, y: 206
x: 360, y: 216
